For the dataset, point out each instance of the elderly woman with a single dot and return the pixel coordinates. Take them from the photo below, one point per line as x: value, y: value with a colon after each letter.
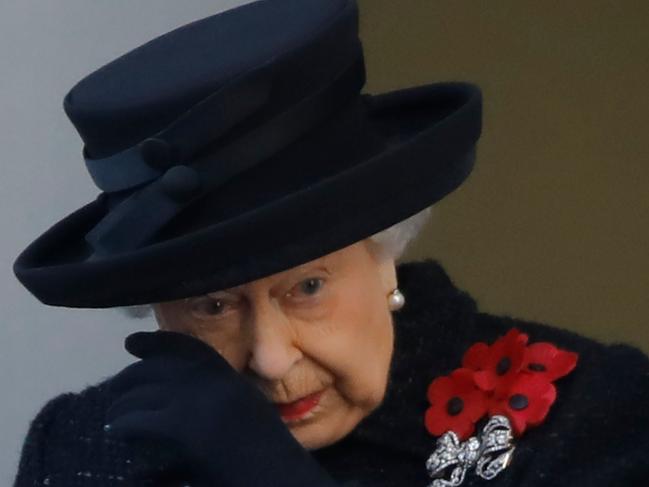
x: 258, y: 203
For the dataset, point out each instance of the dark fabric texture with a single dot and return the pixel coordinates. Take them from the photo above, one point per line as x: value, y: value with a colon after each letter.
x: 144, y: 90
x: 433, y: 127
x: 596, y: 433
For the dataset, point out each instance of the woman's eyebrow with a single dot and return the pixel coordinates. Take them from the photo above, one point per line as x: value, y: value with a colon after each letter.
x: 230, y: 290
x: 313, y: 268
x: 323, y: 268
x: 299, y: 272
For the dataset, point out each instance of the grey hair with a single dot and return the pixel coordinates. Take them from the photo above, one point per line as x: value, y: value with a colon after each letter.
x: 391, y: 242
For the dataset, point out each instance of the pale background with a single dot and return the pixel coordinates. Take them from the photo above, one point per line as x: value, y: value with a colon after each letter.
x: 551, y: 225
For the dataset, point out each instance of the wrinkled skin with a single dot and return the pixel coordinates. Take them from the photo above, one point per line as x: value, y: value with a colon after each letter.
x: 324, y: 325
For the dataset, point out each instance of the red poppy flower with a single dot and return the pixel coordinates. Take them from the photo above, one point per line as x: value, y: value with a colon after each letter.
x: 456, y: 404
x: 525, y: 401
x: 498, y: 364
x: 507, y: 377
x: 543, y: 358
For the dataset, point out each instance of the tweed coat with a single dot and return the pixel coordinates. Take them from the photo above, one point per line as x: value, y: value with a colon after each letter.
x: 595, y: 434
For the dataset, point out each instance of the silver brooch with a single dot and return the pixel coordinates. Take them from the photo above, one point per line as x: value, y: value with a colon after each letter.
x: 490, y: 454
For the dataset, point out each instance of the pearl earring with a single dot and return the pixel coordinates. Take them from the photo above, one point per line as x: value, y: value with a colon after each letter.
x: 396, y: 299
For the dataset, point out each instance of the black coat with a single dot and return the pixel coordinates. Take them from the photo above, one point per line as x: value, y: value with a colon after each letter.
x: 596, y: 433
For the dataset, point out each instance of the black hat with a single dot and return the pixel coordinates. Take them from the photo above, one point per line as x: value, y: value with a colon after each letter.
x: 238, y: 146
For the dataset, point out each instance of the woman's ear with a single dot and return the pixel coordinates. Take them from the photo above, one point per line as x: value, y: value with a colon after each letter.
x: 385, y: 264
x: 388, y: 273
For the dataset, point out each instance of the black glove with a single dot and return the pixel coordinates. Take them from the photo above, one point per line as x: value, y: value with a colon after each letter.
x: 185, y: 394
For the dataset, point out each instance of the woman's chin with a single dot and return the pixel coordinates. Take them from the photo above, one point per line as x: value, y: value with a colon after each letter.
x: 314, y: 428
x: 326, y: 428
x: 313, y: 437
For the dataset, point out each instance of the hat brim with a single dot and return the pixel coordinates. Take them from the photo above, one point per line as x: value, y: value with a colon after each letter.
x: 430, y: 132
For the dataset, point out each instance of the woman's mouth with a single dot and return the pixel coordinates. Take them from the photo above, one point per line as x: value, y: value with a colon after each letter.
x: 297, y: 410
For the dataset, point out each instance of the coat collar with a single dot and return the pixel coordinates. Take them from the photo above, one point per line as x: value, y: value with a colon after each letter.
x: 432, y: 331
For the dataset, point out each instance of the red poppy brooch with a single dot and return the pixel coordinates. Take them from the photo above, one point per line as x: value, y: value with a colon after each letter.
x: 510, y: 385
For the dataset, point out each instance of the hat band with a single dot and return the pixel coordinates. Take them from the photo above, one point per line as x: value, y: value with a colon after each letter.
x: 201, y: 124
x: 141, y: 213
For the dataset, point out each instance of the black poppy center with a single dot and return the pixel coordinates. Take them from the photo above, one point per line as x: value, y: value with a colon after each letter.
x: 537, y: 367
x: 503, y: 366
x: 518, y: 402
x: 454, y: 406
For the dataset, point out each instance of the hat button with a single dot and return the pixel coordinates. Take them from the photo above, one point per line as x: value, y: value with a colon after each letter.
x: 157, y: 153
x: 180, y: 183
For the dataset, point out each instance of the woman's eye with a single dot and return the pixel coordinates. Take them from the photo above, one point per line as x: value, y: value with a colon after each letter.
x: 311, y: 286
x: 209, y: 307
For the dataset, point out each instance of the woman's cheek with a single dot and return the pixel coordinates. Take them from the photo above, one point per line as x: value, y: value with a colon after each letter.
x: 325, y: 342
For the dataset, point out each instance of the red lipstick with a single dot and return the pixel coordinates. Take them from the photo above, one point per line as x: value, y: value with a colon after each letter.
x: 297, y: 409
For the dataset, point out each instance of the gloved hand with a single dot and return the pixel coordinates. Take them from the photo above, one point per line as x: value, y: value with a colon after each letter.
x: 184, y: 393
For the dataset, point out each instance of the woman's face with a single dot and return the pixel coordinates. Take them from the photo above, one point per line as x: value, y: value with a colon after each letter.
x: 321, y: 327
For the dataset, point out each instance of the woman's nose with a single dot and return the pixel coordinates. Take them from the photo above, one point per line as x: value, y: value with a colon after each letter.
x: 272, y: 350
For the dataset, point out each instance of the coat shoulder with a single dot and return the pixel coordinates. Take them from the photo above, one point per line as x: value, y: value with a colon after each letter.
x: 597, y: 430
x: 32, y: 468
x: 607, y: 362
x: 66, y: 445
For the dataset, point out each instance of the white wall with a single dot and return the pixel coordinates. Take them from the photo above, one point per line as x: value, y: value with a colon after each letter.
x: 47, y: 46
